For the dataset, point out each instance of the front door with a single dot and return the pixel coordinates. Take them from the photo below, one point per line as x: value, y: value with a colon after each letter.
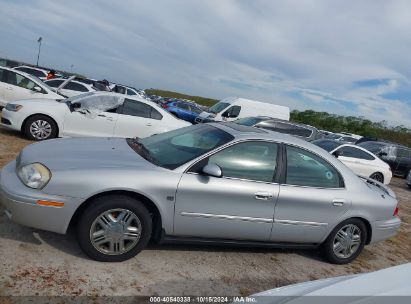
x: 311, y: 201
x: 20, y: 87
x: 80, y: 124
x: 240, y: 204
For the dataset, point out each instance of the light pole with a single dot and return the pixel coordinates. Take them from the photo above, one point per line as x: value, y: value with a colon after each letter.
x: 38, y: 55
x: 72, y: 68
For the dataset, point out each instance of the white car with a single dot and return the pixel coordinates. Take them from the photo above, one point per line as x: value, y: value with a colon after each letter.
x: 358, y: 159
x: 69, y: 87
x: 39, y: 73
x: 391, y: 284
x: 102, y: 114
x: 16, y: 85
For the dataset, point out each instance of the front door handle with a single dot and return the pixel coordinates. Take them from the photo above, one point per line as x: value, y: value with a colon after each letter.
x: 149, y: 124
x: 338, y: 202
x: 264, y: 196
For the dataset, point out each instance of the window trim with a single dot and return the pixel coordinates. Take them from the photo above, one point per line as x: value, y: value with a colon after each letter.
x: 277, y: 172
x: 283, y: 180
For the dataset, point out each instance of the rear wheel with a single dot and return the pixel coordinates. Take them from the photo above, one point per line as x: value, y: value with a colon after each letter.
x: 345, y: 242
x: 378, y: 177
x: 114, y: 228
x: 40, y: 127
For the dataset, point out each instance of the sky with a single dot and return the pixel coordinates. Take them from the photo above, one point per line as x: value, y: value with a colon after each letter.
x: 343, y: 57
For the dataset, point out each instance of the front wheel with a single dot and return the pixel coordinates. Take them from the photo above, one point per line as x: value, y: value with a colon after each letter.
x: 114, y: 228
x: 40, y: 127
x: 345, y: 242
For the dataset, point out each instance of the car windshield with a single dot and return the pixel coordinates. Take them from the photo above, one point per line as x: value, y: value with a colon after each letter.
x: 248, y: 121
x: 173, y: 149
x: 218, y: 107
x: 327, y: 145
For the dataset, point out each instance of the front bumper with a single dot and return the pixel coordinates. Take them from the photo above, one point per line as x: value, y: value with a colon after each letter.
x: 10, y: 121
x: 383, y: 230
x: 20, y: 203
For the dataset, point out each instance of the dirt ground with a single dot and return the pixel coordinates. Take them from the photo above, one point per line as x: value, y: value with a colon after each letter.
x: 35, y: 262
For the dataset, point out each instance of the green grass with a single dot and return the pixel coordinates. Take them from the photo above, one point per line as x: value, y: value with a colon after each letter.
x: 198, y: 99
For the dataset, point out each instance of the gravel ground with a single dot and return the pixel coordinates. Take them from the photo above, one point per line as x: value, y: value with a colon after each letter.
x: 34, y: 262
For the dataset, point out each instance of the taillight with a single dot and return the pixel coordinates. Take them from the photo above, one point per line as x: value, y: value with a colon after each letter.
x: 396, y: 211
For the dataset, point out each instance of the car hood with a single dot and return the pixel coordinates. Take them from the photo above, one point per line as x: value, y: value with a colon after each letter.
x: 393, y: 281
x: 82, y: 153
x: 40, y: 101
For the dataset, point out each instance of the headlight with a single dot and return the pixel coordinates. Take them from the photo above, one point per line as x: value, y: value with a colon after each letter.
x: 35, y: 175
x: 13, y: 107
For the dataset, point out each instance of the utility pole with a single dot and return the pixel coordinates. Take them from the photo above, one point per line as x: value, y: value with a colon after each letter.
x: 38, y: 55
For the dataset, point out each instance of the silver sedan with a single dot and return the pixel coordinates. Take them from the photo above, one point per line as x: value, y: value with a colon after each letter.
x: 205, y: 184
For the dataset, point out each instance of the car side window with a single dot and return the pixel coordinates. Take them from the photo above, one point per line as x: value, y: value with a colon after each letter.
x: 355, y: 153
x: 156, y: 114
x: 73, y: 86
x: 307, y: 169
x: 19, y: 80
x: 33, y: 72
x: 131, y: 92
x: 183, y: 106
x: 233, y: 111
x: 254, y: 161
x: 136, y: 108
x: 55, y: 83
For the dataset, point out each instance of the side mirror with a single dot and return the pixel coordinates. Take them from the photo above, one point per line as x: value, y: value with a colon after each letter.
x: 212, y: 170
x: 382, y: 154
x: 37, y: 89
x: 337, y: 153
x: 76, y: 105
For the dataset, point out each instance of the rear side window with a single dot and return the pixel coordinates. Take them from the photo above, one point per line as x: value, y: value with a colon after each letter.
x: 139, y: 109
x: 1, y: 74
x: 73, y: 86
x: 19, y: 80
x: 307, y: 169
x: 355, y: 153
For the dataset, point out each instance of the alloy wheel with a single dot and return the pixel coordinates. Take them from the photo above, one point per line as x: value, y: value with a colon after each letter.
x: 40, y: 129
x: 115, y: 232
x: 347, y: 241
x: 378, y: 177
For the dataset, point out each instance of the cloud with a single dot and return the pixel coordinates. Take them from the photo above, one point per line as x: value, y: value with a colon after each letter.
x: 348, y: 59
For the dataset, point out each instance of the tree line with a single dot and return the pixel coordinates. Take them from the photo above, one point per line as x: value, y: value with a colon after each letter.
x: 357, y: 125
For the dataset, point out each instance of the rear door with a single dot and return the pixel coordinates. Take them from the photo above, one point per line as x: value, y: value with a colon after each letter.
x: 312, y: 198
x: 137, y: 119
x: 402, y: 161
x: 240, y: 204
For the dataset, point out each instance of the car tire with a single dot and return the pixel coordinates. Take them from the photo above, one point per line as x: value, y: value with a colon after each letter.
x: 340, y: 238
x: 40, y: 127
x: 114, y: 228
x: 378, y: 177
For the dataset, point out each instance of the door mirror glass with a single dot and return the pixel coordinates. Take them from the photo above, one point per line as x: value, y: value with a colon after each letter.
x: 212, y: 170
x: 382, y: 153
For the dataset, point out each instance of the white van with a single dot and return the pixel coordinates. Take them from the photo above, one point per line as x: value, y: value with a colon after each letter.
x: 232, y: 108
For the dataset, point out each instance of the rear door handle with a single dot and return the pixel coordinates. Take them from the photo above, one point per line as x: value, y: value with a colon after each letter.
x: 149, y: 124
x: 264, y: 196
x: 338, y: 202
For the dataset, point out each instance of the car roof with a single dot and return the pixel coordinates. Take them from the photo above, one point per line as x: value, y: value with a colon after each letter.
x: 268, y: 118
